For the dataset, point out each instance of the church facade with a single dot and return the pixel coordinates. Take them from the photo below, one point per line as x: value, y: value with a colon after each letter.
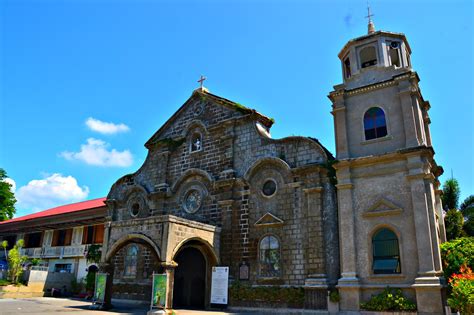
x: 216, y: 189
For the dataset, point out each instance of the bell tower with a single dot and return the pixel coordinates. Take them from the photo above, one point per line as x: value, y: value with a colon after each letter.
x: 390, y: 219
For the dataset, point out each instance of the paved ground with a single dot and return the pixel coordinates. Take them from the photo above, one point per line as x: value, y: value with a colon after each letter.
x: 47, y: 305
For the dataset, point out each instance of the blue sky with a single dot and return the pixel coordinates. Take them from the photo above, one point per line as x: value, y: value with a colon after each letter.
x: 67, y: 66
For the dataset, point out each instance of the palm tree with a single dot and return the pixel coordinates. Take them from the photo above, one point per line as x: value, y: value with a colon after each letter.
x: 451, y: 194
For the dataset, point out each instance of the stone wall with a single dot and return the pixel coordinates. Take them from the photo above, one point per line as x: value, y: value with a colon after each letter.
x: 135, y: 287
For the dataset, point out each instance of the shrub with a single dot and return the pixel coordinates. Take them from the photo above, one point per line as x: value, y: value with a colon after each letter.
x: 77, y: 286
x: 334, y: 296
x: 462, y: 291
x: 90, y: 281
x: 270, y: 294
x: 457, y: 253
x: 389, y: 300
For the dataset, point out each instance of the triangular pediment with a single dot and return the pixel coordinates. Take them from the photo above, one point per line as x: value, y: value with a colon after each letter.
x: 199, y: 106
x: 383, y: 207
x: 269, y: 219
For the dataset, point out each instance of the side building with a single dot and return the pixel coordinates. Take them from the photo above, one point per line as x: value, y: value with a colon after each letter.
x: 59, y: 237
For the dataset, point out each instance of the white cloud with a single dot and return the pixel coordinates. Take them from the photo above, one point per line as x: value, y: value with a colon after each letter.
x: 52, y: 191
x: 11, y: 182
x: 95, y: 152
x: 105, y: 127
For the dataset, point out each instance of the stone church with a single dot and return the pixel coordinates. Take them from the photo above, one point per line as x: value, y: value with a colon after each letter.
x: 217, y: 190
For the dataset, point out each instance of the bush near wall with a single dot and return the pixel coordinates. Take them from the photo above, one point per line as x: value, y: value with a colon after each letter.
x: 457, y: 253
x: 461, y: 297
x: 389, y: 300
x: 458, y: 262
x: 244, y: 294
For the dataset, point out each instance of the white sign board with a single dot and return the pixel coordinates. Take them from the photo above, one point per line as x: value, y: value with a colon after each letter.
x: 220, y: 285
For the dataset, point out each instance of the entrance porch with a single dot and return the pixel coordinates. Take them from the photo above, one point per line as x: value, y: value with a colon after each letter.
x: 185, y: 250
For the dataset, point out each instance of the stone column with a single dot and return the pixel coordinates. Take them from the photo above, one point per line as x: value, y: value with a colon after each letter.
x: 439, y: 211
x: 423, y: 233
x: 340, y: 128
x: 105, y: 243
x: 432, y: 221
x: 405, y: 91
x: 169, y: 267
x: 348, y: 284
x: 427, y: 285
x: 109, y: 269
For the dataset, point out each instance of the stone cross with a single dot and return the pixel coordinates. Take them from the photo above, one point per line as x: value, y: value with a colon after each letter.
x: 201, y: 80
x: 369, y: 16
x: 371, y: 27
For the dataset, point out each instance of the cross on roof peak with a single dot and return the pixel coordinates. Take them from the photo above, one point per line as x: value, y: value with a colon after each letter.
x: 371, y: 26
x: 201, y: 81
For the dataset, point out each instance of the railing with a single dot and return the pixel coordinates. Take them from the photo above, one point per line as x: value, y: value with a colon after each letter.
x: 55, y: 251
x: 33, y: 252
x: 64, y: 251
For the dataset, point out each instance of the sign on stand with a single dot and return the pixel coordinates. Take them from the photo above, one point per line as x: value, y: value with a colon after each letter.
x: 220, y: 285
x: 158, y: 297
x: 99, y: 291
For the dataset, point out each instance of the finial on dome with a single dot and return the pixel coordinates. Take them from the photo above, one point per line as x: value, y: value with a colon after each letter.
x: 371, y: 26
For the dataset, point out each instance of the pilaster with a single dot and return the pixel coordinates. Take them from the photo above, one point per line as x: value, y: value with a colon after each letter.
x: 427, y: 284
x: 432, y: 221
x: 405, y: 94
x: 107, y: 268
x: 348, y: 284
x: 340, y: 125
x: 169, y: 270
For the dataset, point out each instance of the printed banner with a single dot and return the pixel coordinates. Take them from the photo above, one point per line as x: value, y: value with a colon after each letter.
x: 100, y: 282
x: 220, y: 285
x: 159, y: 291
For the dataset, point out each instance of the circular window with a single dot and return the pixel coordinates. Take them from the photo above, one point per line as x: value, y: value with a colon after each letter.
x: 135, y: 204
x: 192, y: 201
x: 269, y: 188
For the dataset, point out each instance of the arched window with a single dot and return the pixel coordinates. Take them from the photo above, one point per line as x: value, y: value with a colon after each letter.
x: 386, y: 256
x: 269, y: 257
x: 368, y: 56
x: 347, y: 67
x: 374, y: 123
x: 131, y: 261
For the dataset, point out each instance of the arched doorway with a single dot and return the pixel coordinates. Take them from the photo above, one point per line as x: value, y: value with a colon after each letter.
x: 131, y: 262
x: 190, y: 279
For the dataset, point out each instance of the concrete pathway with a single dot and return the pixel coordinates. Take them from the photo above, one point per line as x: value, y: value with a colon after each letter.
x: 47, y: 305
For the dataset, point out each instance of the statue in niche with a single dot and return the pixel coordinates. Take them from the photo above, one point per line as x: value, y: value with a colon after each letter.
x: 196, y: 144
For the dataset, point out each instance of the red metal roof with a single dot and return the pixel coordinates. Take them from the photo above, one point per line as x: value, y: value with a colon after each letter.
x: 73, y: 207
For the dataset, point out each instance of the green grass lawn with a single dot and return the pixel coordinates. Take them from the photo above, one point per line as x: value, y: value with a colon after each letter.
x: 4, y: 282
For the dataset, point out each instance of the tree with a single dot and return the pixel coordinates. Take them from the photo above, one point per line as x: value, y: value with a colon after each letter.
x: 15, y: 261
x: 454, y: 223
x: 451, y: 193
x: 467, y: 210
x: 7, y: 198
x: 4, y: 246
